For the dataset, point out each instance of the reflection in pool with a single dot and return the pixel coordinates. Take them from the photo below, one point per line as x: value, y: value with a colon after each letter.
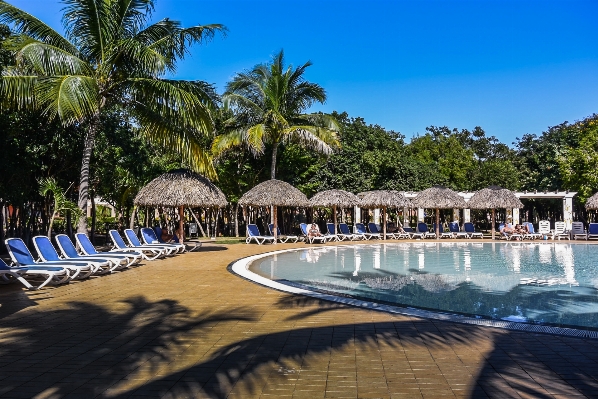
x: 545, y: 283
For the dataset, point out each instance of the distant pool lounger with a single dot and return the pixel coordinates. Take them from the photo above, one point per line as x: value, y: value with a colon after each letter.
x: 146, y: 252
x: 132, y: 257
x: 69, y: 251
x: 149, y: 238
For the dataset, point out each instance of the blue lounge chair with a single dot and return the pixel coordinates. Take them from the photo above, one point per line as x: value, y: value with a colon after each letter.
x: 346, y: 233
x: 423, y: 228
x: 47, y: 253
x: 592, y: 231
x: 87, y: 248
x: 149, y: 238
x: 470, y: 230
x: 188, y: 247
x: 443, y: 234
x: 310, y: 239
x: 457, y: 233
x: 414, y: 235
x: 135, y: 243
x: 146, y: 252
x: 68, y: 250
x: 531, y: 233
x: 281, y: 237
x: 51, y: 274
x: 20, y: 255
x: 331, y: 233
x: 373, y: 228
x: 361, y: 231
x: 253, y: 234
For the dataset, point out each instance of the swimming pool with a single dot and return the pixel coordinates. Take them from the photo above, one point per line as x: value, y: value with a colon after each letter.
x: 553, y: 284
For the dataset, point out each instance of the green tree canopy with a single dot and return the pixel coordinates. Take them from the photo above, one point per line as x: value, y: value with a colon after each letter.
x: 110, y: 55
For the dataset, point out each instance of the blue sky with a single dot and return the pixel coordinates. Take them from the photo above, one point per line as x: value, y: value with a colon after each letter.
x: 511, y: 67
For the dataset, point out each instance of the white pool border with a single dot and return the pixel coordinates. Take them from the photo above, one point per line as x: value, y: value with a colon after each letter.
x: 240, y: 267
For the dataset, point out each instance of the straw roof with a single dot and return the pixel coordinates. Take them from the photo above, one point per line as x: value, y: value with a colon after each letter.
x: 181, y: 187
x: 384, y: 198
x: 274, y: 192
x: 592, y: 202
x: 330, y: 198
x: 438, y: 197
x: 494, y: 197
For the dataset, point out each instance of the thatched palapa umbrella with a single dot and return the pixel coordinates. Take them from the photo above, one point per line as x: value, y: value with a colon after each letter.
x: 438, y: 197
x: 179, y: 188
x: 494, y: 197
x: 334, y: 198
x: 384, y: 199
x: 592, y: 202
x: 274, y: 193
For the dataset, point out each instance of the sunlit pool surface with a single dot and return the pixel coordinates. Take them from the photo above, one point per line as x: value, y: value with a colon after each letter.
x: 550, y: 284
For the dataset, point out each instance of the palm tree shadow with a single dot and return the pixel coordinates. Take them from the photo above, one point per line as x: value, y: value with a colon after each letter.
x: 94, y: 348
x: 14, y: 298
x: 91, y: 351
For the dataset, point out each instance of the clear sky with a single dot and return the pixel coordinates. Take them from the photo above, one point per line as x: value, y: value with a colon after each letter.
x: 511, y: 67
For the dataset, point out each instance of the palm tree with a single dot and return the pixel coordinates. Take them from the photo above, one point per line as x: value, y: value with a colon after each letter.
x: 268, y: 102
x: 110, y: 56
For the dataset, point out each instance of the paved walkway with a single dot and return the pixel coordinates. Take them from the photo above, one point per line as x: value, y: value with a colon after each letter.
x: 186, y: 328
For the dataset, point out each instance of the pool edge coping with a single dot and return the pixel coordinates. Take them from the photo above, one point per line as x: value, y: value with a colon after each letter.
x: 240, y: 267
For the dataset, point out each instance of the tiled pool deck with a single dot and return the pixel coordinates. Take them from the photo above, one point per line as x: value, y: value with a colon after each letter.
x: 185, y: 327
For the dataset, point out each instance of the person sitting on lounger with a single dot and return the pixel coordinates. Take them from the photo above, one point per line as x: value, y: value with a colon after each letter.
x: 165, y: 236
x: 508, y: 228
x: 521, y: 229
x: 314, y: 231
x: 392, y: 228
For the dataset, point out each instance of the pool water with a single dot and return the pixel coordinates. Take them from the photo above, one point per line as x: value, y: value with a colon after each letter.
x: 546, y: 283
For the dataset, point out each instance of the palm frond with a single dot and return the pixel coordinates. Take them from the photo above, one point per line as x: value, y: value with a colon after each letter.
x: 317, y: 138
x: 17, y: 91
x: 255, y: 138
x: 242, y: 104
x: 176, y: 45
x: 27, y: 24
x: 89, y: 25
x: 174, y: 100
x: 130, y: 15
x: 168, y: 133
x: 48, y: 60
x: 322, y: 120
x: 226, y: 141
x: 137, y: 59
x: 74, y: 98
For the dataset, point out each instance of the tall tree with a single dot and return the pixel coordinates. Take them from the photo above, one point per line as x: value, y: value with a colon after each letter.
x: 111, y: 56
x: 268, y: 103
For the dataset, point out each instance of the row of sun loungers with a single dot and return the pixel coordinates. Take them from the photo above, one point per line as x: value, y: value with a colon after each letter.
x: 53, y: 268
x: 343, y: 233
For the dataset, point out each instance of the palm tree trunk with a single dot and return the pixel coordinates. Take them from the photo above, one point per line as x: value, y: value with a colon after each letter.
x: 181, y: 224
x: 384, y: 223
x: 273, y: 166
x: 493, y: 223
x: 94, y: 126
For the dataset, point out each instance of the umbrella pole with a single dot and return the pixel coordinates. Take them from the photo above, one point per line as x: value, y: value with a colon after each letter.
x: 493, y: 218
x: 437, y: 223
x: 384, y: 222
x: 181, y: 224
x: 274, y: 222
x: 334, y: 216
